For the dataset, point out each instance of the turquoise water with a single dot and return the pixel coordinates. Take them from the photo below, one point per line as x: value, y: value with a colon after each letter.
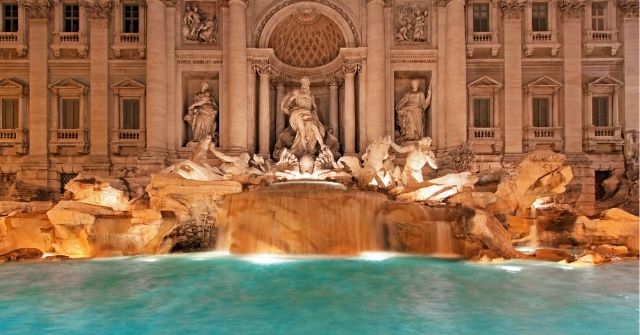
x: 209, y: 294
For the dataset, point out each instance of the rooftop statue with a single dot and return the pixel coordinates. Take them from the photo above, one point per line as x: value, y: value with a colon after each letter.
x: 202, y: 114
x: 410, y: 112
x: 303, y: 120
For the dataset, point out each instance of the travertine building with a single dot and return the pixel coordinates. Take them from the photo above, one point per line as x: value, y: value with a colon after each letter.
x: 103, y: 85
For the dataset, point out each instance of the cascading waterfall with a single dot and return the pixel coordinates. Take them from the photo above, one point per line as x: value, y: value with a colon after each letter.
x: 302, y: 217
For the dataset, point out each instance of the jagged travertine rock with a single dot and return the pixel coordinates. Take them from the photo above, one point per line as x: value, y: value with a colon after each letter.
x: 9, y: 208
x: 100, y: 191
x: 614, y: 226
x: 84, y: 230
x: 195, y: 205
x: 540, y: 174
x: 20, y: 255
x: 25, y: 230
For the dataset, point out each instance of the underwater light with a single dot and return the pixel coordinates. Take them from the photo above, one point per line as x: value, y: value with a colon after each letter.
x: 376, y: 256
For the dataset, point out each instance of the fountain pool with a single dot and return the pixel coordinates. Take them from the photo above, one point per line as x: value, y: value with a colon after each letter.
x: 209, y: 293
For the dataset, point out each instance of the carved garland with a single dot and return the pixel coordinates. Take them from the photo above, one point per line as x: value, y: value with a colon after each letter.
x: 572, y: 9
x: 628, y: 8
x: 36, y: 9
x: 512, y: 9
x: 98, y: 9
x: 330, y: 4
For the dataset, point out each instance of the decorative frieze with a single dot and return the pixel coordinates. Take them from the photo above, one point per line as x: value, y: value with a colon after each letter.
x: 411, y: 23
x: 98, y: 9
x: 572, y: 9
x: 513, y: 9
x: 200, y: 23
x: 628, y: 8
x: 36, y: 9
x: 441, y: 3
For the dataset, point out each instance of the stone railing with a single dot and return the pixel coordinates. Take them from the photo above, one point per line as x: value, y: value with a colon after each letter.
x: 11, y: 37
x: 69, y: 138
x: 600, y: 36
x: 16, y: 138
x: 127, y: 138
x: 68, y: 38
x: 543, y: 132
x: 549, y: 137
x: 541, y: 36
x: 603, y: 138
x: 70, y: 41
x: 129, y: 41
x: 72, y: 135
x: 482, y: 134
x: 483, y: 37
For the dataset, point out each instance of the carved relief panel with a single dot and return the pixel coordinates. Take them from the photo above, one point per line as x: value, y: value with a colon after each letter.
x: 411, y: 21
x: 200, y: 23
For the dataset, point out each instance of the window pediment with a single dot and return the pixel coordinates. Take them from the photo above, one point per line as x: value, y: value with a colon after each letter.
x: 68, y: 86
x: 484, y: 84
x: 12, y: 87
x: 544, y: 84
x: 604, y: 83
x: 129, y: 87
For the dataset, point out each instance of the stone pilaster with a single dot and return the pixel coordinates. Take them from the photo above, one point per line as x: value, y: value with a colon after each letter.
x: 156, y: 82
x: 630, y: 37
x: 513, y: 123
x: 174, y: 114
x: 238, y: 76
x: 440, y: 115
x: 280, y: 85
x: 456, y: 73
x: 376, y: 74
x: 572, y: 13
x: 264, y: 115
x: 334, y: 84
x: 349, y: 118
x: 36, y: 163
x: 99, y: 13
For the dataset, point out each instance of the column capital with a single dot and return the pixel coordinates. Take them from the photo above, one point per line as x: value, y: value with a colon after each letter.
x: 36, y: 9
x: 628, y: 8
x: 513, y: 9
x: 572, y: 9
x: 170, y: 3
x: 334, y: 81
x: 350, y: 68
x: 441, y: 3
x: 98, y: 9
x: 278, y: 82
x: 262, y: 69
x: 372, y: 2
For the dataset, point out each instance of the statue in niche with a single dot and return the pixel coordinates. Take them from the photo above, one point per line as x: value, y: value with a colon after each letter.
x: 199, y: 27
x: 303, y: 121
x: 411, y: 24
x: 201, y: 115
x: 410, y: 112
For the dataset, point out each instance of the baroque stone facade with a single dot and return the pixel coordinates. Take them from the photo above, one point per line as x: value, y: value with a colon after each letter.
x: 104, y: 85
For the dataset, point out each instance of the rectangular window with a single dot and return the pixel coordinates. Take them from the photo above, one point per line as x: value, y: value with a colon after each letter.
x: 130, y: 19
x: 482, y: 113
x: 130, y: 114
x: 9, y: 114
x: 598, y: 15
x: 70, y: 114
x: 540, y: 16
x: 481, y: 17
x: 71, y: 18
x: 600, y: 111
x: 541, y: 112
x: 10, y: 18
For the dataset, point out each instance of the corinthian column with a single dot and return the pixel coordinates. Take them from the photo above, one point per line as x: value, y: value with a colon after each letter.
x: 333, y: 104
x: 279, y: 83
x: 237, y: 74
x: 456, y: 72
x: 376, y: 79
x: 99, y: 13
x: 156, y: 80
x: 513, y: 123
x: 263, y: 111
x: 349, y: 119
x: 572, y: 12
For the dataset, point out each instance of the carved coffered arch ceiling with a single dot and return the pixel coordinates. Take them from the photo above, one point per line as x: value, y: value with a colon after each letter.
x: 306, y: 39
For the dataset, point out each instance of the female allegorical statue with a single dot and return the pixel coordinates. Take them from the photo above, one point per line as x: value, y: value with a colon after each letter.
x: 201, y: 115
x: 410, y: 113
x: 303, y: 118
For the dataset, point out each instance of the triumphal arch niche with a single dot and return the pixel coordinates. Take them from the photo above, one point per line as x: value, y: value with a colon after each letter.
x: 296, y: 42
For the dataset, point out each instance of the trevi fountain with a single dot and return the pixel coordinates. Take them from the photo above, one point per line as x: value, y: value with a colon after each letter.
x: 317, y: 229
